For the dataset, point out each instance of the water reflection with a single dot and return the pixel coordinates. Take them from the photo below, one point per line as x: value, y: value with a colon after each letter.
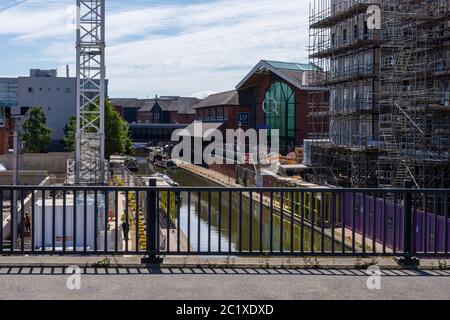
x: 230, y: 231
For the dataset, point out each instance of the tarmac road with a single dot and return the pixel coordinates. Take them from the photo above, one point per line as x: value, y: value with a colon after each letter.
x: 214, y: 284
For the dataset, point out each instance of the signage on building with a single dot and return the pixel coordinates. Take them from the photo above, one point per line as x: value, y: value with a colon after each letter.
x: 243, y: 118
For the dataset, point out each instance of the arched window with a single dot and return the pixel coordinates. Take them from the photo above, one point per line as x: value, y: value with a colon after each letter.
x: 280, y: 113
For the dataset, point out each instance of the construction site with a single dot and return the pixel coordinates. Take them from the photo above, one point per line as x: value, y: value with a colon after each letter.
x: 383, y: 117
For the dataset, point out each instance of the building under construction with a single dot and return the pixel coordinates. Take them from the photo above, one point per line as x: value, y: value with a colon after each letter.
x: 385, y: 72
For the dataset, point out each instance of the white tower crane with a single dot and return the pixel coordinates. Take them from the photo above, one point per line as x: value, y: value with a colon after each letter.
x: 90, y: 135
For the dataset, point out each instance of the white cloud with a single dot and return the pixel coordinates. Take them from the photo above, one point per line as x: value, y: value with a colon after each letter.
x: 173, y: 49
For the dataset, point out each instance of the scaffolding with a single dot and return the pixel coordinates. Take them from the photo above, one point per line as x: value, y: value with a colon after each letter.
x: 388, y: 106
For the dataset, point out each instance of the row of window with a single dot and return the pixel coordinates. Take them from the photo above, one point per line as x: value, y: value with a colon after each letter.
x: 67, y: 90
x: 345, y: 38
x: 8, y: 94
x: 351, y: 98
x: 211, y: 114
x: 349, y: 65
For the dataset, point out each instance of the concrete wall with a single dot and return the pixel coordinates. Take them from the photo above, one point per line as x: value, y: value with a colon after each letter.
x: 56, y: 96
x: 54, y: 163
x: 32, y: 178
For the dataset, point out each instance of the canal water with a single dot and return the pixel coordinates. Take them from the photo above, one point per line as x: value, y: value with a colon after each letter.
x: 225, y: 233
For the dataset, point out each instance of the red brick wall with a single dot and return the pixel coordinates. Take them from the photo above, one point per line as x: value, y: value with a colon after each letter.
x: 145, y: 117
x: 230, y: 113
x: 5, y: 136
x: 182, y: 118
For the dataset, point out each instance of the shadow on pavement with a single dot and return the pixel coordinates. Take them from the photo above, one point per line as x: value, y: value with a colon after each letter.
x: 118, y: 271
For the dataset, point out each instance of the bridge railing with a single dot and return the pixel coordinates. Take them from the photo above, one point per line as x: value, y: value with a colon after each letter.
x: 154, y: 221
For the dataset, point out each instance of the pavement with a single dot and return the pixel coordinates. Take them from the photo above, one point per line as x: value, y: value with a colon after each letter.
x: 220, y: 284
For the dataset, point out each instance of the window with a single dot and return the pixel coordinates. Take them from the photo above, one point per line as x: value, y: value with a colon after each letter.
x: 344, y: 36
x: 8, y: 94
x: 356, y: 63
x: 220, y: 114
x: 367, y: 97
x: 368, y: 61
x: 30, y: 90
x: 280, y: 113
x: 366, y: 30
x: 347, y: 66
x: 355, y: 96
x: 346, y: 97
x: 333, y: 99
x: 156, y: 117
x: 68, y: 90
x: 355, y: 32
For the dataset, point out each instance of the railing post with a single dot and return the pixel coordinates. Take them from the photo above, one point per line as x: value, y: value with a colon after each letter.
x: 151, y: 232
x: 408, y: 258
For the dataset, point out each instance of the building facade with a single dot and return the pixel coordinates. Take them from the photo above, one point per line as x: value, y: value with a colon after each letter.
x: 43, y: 88
x: 153, y: 120
x: 277, y: 95
x: 386, y: 91
x: 224, y: 108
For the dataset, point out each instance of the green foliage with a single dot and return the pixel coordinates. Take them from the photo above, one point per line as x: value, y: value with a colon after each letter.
x: 117, y: 138
x: 69, y: 134
x: 36, y: 136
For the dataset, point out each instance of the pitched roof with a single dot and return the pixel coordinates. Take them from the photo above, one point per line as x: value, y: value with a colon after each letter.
x: 294, y: 73
x: 228, y: 98
x: 129, y: 102
x: 184, y: 105
x: 181, y: 105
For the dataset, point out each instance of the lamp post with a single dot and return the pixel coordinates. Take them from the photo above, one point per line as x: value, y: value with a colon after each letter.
x: 15, y: 179
x: 15, y: 182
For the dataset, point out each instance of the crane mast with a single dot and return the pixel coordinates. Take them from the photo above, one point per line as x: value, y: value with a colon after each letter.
x: 91, y: 71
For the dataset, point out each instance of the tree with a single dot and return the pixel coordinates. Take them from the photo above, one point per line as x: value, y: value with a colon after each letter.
x: 36, y: 136
x: 69, y: 134
x: 117, y: 138
x: 117, y: 135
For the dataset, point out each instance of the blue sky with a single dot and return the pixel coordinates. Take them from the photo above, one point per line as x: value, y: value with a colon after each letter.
x: 183, y: 47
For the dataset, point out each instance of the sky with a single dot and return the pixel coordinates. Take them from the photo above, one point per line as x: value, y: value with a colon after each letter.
x: 183, y: 47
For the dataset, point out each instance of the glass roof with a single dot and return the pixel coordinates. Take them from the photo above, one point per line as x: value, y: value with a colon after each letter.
x: 291, y: 66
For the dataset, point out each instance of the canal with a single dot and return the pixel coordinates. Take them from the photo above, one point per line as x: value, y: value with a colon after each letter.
x: 224, y: 233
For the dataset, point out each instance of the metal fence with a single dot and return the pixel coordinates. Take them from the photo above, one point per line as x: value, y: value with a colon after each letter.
x: 154, y: 221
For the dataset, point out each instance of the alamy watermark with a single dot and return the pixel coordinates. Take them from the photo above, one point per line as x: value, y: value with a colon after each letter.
x: 74, y: 280
x: 374, y: 280
x: 374, y: 18
x: 203, y: 143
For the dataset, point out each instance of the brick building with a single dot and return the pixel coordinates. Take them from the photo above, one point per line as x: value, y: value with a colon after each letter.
x: 224, y: 108
x: 160, y: 110
x: 154, y: 120
x: 277, y: 93
x: 274, y: 95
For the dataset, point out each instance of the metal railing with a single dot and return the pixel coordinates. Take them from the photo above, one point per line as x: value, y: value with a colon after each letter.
x: 155, y: 221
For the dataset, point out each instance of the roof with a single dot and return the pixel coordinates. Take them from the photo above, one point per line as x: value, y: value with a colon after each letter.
x: 294, y: 73
x: 291, y: 65
x: 228, y: 98
x: 182, y: 105
x: 199, y: 129
x: 130, y: 102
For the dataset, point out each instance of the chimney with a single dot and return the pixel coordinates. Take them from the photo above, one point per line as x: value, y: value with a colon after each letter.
x: 67, y: 71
